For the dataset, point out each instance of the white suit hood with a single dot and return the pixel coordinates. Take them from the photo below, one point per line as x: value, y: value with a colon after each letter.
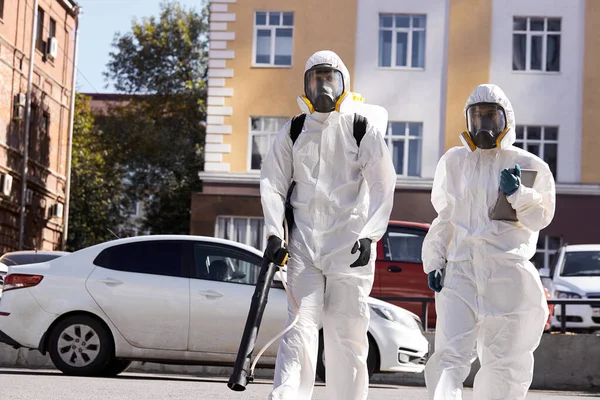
x: 329, y: 57
x: 489, y: 93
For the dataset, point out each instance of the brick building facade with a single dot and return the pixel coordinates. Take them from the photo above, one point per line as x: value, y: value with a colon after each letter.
x: 49, y: 141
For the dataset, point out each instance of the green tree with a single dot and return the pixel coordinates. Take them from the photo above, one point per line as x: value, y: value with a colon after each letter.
x: 96, y: 188
x: 158, y: 134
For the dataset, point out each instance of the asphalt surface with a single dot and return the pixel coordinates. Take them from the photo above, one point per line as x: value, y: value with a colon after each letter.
x: 21, y: 384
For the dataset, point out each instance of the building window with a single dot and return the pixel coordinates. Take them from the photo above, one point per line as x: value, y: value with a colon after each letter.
x: 547, y: 246
x: 52, y: 28
x: 404, y: 141
x: 541, y: 141
x: 40, y: 44
x: 262, y: 134
x: 246, y: 230
x: 273, y: 38
x: 536, y: 44
x: 44, y: 138
x: 1, y: 9
x: 34, y: 131
x: 402, y: 40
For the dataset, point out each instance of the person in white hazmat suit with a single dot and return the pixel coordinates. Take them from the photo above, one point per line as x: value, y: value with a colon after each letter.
x: 342, y: 202
x: 487, y: 292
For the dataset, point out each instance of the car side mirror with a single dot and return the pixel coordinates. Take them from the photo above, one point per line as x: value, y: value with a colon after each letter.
x: 544, y: 272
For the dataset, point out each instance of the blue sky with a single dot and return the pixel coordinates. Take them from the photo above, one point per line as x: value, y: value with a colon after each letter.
x: 100, y: 20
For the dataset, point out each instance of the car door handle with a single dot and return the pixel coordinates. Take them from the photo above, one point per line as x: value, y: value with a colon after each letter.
x: 394, y: 269
x: 211, y: 293
x: 110, y: 281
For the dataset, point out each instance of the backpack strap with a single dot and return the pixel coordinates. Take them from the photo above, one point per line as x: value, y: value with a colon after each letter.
x: 360, y: 128
x: 296, y: 128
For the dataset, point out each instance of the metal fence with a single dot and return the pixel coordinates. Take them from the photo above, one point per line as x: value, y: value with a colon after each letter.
x: 560, y: 302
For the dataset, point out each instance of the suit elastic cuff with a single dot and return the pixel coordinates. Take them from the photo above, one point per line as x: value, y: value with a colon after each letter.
x: 513, y: 197
x: 434, y: 266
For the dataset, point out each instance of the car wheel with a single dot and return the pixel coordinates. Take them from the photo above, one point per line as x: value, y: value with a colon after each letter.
x: 115, y: 367
x: 81, y: 345
x: 372, y: 358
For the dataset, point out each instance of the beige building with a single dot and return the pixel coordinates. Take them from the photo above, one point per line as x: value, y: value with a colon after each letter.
x: 50, y: 118
x: 420, y: 60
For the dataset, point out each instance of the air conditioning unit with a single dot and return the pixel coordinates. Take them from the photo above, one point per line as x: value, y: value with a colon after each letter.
x: 52, y: 48
x: 56, y: 210
x: 19, y: 106
x: 28, y: 196
x: 21, y: 99
x: 7, y: 181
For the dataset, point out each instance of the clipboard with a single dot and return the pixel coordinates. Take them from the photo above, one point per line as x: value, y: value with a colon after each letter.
x: 502, y: 210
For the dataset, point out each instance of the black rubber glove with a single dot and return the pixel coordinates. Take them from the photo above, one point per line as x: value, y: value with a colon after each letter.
x: 364, y: 246
x: 434, y: 280
x: 276, y: 251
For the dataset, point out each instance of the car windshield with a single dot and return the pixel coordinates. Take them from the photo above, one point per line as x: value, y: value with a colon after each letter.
x: 581, y: 263
x: 32, y: 258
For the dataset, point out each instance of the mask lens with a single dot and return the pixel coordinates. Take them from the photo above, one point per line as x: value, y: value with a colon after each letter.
x: 486, y: 117
x: 323, y: 81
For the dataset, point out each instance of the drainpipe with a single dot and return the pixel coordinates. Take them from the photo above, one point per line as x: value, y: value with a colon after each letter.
x: 70, y: 142
x: 27, y: 125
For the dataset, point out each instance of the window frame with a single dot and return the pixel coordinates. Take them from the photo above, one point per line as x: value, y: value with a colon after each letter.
x: 548, y: 252
x: 540, y: 142
x: 390, y: 138
x: 409, y: 45
x: 44, y: 137
x: 228, y: 251
x: 528, y: 34
x: 52, y: 28
x: 273, y: 29
x: 40, y: 43
x: 231, y: 218
x: 405, y: 230
x: 252, y: 134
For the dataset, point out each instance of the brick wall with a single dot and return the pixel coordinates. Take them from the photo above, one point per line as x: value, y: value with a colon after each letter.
x: 51, y: 95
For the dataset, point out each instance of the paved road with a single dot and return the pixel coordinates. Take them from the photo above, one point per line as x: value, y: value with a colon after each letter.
x: 19, y: 384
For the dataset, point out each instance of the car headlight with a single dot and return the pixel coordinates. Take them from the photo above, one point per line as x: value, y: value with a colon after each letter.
x: 566, y: 295
x: 391, y: 315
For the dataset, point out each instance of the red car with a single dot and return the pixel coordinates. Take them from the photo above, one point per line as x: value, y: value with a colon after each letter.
x: 399, y: 269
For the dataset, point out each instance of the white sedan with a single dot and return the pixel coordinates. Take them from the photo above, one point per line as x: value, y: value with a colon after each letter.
x: 168, y: 299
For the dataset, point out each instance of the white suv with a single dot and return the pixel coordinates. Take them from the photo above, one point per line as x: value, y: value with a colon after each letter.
x: 575, y: 275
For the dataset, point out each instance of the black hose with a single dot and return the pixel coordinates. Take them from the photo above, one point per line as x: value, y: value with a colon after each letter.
x: 240, y: 378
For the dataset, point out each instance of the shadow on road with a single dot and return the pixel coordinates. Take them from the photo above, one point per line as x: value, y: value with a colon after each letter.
x: 139, y: 376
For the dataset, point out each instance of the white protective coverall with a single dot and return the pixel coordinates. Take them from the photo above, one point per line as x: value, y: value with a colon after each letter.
x: 343, y: 192
x: 492, y: 295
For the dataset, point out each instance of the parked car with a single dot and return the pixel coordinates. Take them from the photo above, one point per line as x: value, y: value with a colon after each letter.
x: 25, y: 257
x: 548, y: 326
x: 399, y: 269
x: 168, y: 299
x: 30, y: 256
x: 3, y: 272
x: 576, y: 275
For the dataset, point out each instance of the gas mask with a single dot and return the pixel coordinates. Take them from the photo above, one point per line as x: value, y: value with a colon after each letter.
x: 323, y: 87
x: 486, y: 123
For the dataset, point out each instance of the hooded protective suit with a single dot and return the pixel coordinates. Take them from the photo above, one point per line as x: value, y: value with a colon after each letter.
x: 492, y: 295
x: 343, y: 193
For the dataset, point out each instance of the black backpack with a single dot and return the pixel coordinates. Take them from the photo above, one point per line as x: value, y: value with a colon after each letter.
x: 359, y: 130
